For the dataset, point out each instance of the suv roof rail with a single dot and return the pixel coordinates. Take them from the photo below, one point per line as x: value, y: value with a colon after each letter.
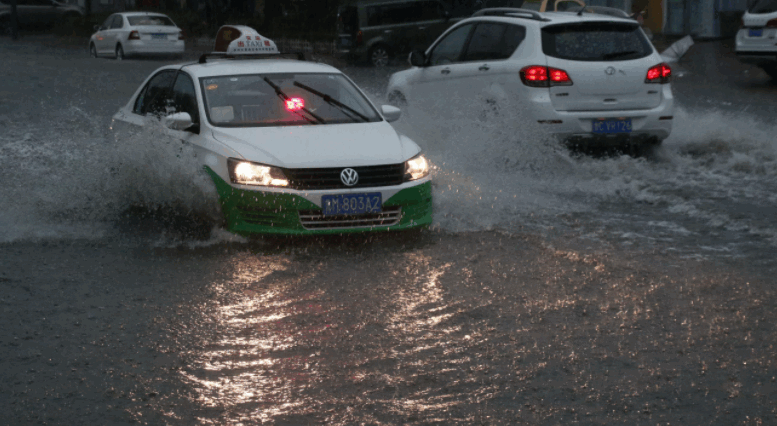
x: 222, y: 55
x: 512, y: 12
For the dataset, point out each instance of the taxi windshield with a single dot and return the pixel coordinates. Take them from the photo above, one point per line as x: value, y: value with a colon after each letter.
x: 287, y: 99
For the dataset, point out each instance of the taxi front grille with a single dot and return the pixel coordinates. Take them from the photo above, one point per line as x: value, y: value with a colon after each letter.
x: 329, y: 178
x: 315, y: 219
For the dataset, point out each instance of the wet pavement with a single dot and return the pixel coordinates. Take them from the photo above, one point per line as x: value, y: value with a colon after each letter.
x: 643, y: 293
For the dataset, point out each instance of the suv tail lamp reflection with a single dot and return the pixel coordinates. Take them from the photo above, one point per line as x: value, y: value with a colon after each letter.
x: 539, y: 76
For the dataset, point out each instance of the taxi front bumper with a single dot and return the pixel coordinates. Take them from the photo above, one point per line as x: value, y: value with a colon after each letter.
x: 259, y: 212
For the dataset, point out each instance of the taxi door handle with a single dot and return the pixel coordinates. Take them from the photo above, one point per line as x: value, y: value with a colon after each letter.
x: 484, y: 68
x: 388, y: 31
x: 445, y: 71
x: 421, y: 28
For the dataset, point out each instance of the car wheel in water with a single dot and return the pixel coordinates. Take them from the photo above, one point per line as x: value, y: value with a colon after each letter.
x: 772, y: 71
x: 6, y: 28
x: 119, y: 53
x: 397, y: 99
x: 92, y: 50
x: 379, y: 56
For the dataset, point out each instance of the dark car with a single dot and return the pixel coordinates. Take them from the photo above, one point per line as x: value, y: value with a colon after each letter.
x: 36, y: 13
x: 377, y: 30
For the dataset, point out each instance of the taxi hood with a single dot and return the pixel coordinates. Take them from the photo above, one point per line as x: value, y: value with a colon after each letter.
x: 313, y: 146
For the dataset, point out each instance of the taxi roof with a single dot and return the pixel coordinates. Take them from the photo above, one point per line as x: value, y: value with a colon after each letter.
x: 217, y: 66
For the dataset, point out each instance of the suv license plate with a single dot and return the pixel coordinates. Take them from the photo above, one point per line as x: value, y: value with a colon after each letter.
x: 755, y: 33
x: 349, y: 204
x: 612, y: 126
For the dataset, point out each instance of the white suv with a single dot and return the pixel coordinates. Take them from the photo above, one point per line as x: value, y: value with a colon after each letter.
x: 584, y: 77
x: 756, y: 41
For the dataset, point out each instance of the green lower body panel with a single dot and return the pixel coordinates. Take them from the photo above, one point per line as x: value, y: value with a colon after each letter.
x: 255, y: 212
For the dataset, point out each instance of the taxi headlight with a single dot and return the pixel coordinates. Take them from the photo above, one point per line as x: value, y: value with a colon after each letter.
x: 247, y: 173
x: 416, y: 168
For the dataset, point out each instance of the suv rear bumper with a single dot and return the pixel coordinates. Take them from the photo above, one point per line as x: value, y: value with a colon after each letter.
x: 649, y: 124
x: 757, y: 58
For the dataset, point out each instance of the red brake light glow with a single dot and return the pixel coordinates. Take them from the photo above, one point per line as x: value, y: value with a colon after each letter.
x: 134, y: 35
x: 359, y: 38
x: 295, y: 104
x: 660, y: 74
x: 559, y: 76
x: 539, y: 76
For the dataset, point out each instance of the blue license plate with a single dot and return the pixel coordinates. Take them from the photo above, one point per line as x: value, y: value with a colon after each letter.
x: 371, y: 202
x: 755, y: 33
x: 612, y: 126
x: 159, y: 36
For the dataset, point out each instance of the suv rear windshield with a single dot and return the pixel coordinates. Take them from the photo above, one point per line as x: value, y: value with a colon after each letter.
x: 595, y: 41
x: 764, y: 6
x: 150, y: 20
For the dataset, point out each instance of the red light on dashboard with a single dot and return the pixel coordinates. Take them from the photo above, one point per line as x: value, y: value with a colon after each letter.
x: 295, y: 104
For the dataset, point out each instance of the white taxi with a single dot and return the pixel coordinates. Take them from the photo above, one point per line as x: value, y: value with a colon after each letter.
x: 293, y: 147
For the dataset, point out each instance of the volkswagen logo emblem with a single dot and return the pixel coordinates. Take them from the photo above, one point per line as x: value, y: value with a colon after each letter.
x: 349, y: 177
x: 609, y: 71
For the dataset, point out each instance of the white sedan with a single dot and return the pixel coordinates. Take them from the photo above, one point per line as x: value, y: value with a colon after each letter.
x: 136, y: 33
x: 293, y: 147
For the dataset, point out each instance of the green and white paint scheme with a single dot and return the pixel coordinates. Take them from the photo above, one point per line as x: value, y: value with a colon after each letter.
x: 257, y: 208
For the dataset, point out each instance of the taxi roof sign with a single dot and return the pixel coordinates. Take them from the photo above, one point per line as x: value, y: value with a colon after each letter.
x: 242, y: 40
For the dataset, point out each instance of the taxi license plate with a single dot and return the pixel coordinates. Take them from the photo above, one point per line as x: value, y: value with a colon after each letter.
x: 371, y: 202
x: 755, y: 33
x: 158, y: 36
x: 612, y: 126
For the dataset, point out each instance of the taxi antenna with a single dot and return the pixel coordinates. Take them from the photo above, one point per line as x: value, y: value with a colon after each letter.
x: 580, y: 12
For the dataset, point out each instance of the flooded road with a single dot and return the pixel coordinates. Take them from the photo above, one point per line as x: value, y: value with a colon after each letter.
x: 553, y: 289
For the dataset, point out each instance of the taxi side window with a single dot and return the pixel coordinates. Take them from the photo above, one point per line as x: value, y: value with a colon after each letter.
x: 153, y: 98
x: 492, y: 41
x: 450, y: 48
x: 185, y: 97
x: 117, y: 22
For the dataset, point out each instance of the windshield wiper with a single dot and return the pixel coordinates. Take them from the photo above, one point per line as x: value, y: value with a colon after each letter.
x: 619, y: 54
x: 332, y: 101
x: 285, y: 97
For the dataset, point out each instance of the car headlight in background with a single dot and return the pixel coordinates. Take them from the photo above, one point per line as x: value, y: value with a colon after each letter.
x: 247, y: 173
x: 416, y: 168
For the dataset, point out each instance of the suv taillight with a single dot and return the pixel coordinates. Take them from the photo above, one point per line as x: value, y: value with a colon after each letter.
x: 539, y: 76
x: 772, y: 24
x: 359, y: 38
x: 134, y: 35
x: 660, y: 74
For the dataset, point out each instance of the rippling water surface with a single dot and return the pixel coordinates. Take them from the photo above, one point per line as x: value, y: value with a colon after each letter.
x: 553, y: 287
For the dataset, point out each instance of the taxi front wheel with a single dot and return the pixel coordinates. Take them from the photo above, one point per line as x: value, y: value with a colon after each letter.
x: 119, y: 53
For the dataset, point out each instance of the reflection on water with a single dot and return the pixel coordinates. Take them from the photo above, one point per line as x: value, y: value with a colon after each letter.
x: 294, y: 341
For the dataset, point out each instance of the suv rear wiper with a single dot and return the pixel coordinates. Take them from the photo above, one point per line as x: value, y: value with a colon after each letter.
x: 332, y: 101
x: 619, y: 54
x: 285, y: 97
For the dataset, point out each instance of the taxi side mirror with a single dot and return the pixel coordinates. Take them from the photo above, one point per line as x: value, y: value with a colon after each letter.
x: 178, y: 121
x: 391, y: 113
x: 417, y: 58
